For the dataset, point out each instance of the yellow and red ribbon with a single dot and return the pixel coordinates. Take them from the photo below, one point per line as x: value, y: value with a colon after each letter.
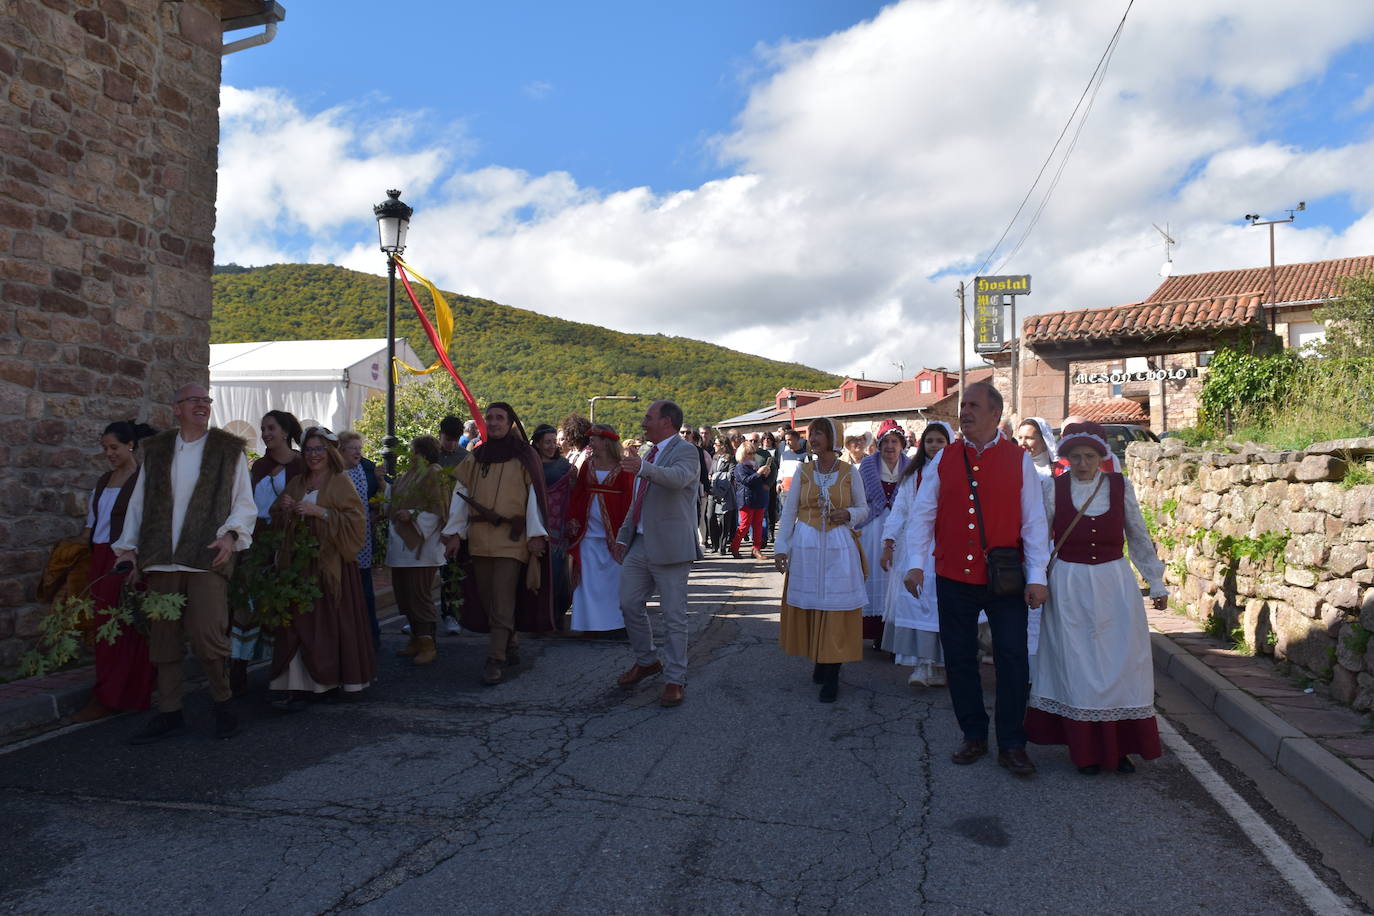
x: 439, y: 337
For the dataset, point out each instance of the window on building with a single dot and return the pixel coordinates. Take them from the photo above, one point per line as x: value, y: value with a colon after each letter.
x: 849, y: 394
x: 1204, y: 359
x: 926, y: 386
x: 1303, y: 335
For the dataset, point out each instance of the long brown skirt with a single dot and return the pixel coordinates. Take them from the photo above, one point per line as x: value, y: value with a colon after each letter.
x: 334, y: 641
x: 824, y: 637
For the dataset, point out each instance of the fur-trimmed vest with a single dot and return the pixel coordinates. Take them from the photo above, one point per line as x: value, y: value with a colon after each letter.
x: 207, y: 510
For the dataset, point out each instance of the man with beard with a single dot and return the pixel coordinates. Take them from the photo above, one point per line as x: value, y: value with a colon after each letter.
x: 190, y: 512
x: 498, y: 508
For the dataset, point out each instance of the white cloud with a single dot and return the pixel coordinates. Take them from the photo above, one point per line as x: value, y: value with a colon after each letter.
x: 864, y: 164
x: 537, y: 89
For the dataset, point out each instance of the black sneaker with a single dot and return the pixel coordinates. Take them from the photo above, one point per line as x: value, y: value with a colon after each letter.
x: 162, y: 725
x: 226, y: 723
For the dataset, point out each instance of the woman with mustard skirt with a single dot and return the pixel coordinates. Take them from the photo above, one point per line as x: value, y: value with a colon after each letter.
x: 818, y: 550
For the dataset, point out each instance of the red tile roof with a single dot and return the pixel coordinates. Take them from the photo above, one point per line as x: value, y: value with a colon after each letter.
x: 1145, y: 320
x: 1112, y: 410
x: 901, y: 396
x: 1292, y: 282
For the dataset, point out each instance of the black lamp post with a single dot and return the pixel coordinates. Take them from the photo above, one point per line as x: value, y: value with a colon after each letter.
x: 790, y: 402
x: 393, y: 220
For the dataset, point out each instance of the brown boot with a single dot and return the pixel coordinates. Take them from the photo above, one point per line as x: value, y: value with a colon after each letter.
x: 493, y: 670
x: 92, y: 711
x: 411, y: 648
x: 427, y: 651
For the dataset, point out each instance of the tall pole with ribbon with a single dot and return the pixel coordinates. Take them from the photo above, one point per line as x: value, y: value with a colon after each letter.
x: 393, y: 221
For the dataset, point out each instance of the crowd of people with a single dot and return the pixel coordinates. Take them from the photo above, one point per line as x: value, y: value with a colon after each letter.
x: 941, y: 548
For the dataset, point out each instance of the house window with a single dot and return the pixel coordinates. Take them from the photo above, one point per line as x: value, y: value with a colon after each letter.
x: 1204, y: 359
x: 1303, y: 335
x: 849, y: 394
x: 926, y: 386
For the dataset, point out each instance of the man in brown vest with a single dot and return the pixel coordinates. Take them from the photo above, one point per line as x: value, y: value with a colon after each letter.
x: 499, y: 508
x: 190, y: 511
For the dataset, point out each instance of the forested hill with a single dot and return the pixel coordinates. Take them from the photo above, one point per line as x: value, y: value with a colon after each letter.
x: 546, y: 367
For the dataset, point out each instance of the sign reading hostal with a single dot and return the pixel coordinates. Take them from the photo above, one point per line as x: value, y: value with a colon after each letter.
x: 988, y: 298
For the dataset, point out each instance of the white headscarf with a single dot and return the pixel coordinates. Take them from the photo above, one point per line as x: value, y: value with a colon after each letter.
x: 1047, y: 434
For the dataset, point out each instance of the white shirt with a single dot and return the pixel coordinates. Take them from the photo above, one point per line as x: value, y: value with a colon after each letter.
x: 98, y: 516
x: 641, y: 483
x: 1035, y: 531
x: 858, y: 509
x: 186, y: 459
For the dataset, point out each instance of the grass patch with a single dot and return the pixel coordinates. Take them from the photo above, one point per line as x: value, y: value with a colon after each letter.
x: 1357, y: 475
x: 1215, y: 627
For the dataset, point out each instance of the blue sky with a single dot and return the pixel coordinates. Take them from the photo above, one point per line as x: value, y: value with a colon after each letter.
x: 620, y: 94
x: 806, y: 180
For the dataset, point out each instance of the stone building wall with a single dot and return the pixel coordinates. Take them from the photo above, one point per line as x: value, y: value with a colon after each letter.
x: 1279, y: 545
x: 107, y: 208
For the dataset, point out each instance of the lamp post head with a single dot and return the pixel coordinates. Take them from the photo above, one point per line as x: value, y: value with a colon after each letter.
x: 393, y: 220
x: 790, y: 402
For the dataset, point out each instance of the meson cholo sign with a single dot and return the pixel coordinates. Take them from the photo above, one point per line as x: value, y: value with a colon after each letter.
x: 1143, y: 375
x: 988, y: 299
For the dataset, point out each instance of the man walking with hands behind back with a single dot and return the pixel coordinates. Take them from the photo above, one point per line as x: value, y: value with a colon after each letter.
x: 976, y: 496
x: 657, y: 545
x: 190, y: 511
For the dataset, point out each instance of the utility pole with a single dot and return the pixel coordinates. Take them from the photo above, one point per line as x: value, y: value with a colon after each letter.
x: 962, y: 322
x: 1254, y: 219
x: 1015, y: 363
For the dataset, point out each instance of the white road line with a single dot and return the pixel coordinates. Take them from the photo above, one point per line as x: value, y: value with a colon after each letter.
x: 1294, y: 870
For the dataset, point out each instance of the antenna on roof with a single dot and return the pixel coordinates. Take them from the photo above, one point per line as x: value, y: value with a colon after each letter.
x: 1168, y: 266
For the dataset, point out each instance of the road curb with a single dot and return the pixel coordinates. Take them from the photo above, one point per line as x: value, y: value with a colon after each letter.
x: 49, y: 707
x: 1339, y: 786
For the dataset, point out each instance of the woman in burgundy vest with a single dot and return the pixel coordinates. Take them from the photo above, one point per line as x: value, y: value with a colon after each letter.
x: 1094, y: 684
x: 123, y: 675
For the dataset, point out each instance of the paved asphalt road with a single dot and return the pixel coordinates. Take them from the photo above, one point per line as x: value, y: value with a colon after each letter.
x: 557, y: 792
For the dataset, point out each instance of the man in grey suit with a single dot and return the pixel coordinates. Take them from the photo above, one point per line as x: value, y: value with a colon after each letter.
x: 657, y: 545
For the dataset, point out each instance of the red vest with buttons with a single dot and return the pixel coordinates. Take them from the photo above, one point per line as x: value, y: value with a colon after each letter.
x: 1096, y: 538
x: 997, y: 471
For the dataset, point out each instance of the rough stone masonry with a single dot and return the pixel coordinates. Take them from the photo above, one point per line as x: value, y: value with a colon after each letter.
x: 107, y: 210
x: 1277, y: 544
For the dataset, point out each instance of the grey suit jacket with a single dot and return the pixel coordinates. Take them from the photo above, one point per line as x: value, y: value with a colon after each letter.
x: 670, y: 504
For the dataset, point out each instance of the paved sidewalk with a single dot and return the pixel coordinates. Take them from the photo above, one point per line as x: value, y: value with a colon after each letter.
x: 34, y: 704
x: 1324, y: 746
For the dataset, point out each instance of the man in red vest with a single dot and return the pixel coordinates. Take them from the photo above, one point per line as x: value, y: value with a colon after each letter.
x: 983, y: 493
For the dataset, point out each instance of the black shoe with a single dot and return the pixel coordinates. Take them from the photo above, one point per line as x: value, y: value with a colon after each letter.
x: 818, y: 674
x: 226, y: 723
x: 1124, y: 765
x: 512, y: 657
x: 162, y: 725
x: 829, y: 691
x: 1090, y: 770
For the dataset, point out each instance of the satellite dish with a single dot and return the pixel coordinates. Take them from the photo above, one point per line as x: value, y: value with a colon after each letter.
x: 1165, y: 269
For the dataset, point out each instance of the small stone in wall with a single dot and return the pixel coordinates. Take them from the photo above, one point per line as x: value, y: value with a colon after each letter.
x: 1320, y: 467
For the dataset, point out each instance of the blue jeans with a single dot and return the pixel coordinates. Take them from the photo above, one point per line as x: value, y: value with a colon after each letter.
x: 959, y: 607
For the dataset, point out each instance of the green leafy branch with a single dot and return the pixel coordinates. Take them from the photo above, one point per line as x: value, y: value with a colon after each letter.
x: 59, y: 641
x: 274, y: 582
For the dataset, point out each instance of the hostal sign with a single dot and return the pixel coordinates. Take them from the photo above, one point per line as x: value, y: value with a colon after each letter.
x: 988, y: 296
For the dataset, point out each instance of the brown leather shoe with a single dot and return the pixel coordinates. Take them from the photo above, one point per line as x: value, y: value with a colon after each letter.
x: 757, y: 554
x: 671, y: 696
x: 638, y: 673
x: 969, y: 751
x: 1016, y: 760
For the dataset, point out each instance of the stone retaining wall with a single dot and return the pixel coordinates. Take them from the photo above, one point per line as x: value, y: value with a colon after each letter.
x: 1277, y: 546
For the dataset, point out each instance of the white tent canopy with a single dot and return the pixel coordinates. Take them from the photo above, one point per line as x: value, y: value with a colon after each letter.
x: 321, y: 382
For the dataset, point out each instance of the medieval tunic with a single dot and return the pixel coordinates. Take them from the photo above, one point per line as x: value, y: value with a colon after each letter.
x: 911, y: 624
x: 420, y: 492
x: 330, y: 645
x: 880, y: 491
x: 1094, y: 690
x: 823, y: 591
x: 600, y: 502
x: 123, y: 675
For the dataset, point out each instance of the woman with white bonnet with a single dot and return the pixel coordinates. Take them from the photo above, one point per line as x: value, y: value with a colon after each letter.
x: 1035, y: 436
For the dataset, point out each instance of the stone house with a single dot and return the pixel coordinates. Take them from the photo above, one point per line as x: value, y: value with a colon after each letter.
x: 108, y: 152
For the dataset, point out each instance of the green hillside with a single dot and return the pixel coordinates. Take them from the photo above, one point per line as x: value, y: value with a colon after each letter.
x: 546, y: 367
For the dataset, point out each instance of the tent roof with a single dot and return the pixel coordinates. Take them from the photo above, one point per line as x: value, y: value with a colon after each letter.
x: 305, y: 360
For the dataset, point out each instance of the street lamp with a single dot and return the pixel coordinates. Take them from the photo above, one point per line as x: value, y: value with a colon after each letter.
x: 393, y: 220
x: 790, y: 402
x: 591, y: 402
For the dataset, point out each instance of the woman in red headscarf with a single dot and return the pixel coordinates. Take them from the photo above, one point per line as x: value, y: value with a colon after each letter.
x: 1094, y: 682
x: 601, y: 499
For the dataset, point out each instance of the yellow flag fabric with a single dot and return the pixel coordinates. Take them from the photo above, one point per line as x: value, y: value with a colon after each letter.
x: 443, y: 323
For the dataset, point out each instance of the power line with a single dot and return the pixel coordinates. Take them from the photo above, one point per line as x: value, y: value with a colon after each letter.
x: 1090, y: 94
